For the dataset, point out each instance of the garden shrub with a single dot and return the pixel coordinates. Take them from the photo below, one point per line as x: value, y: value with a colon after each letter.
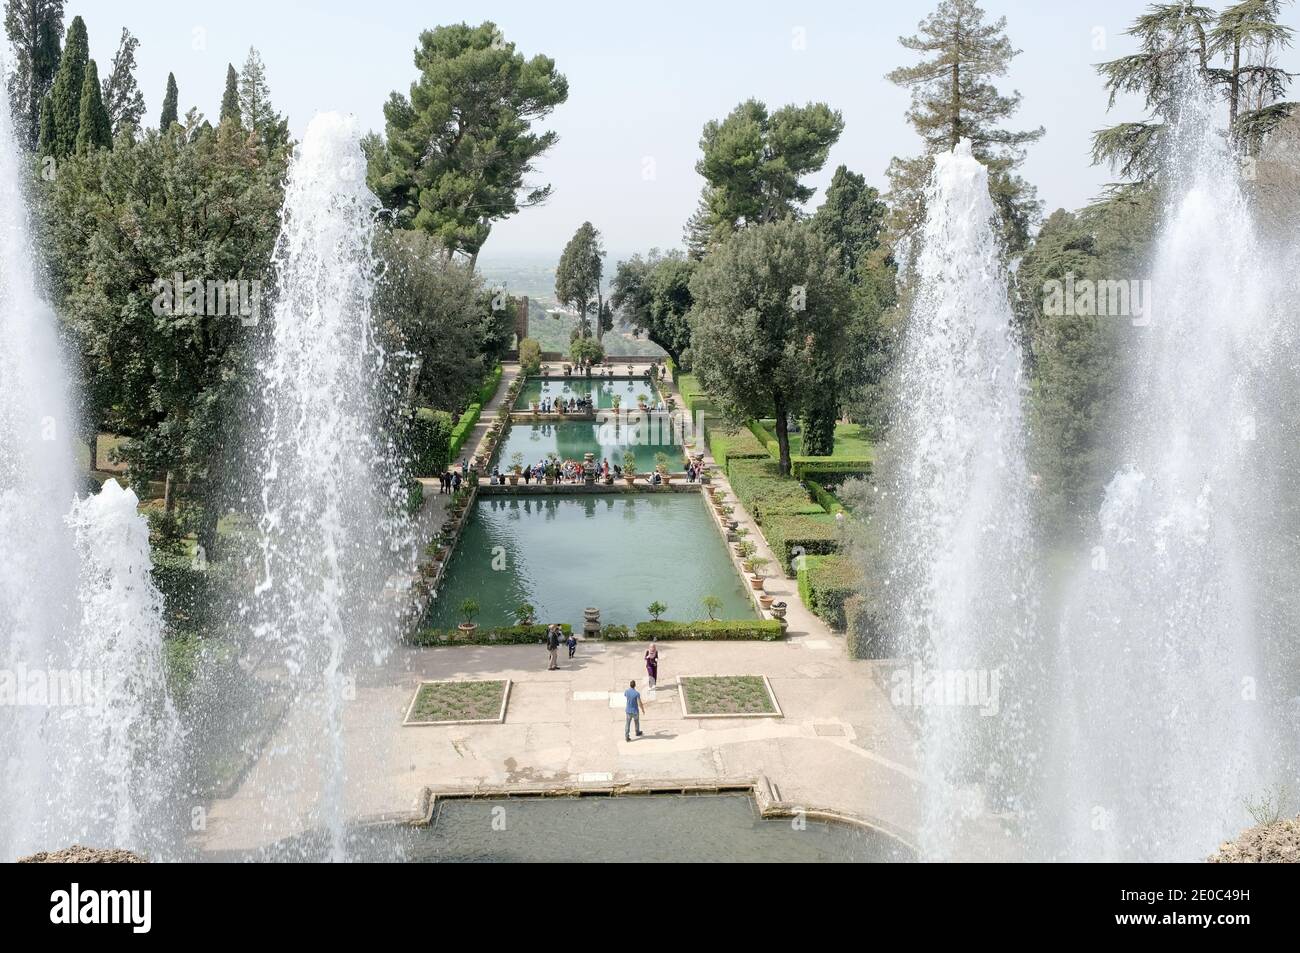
x: 824, y: 498
x: 826, y: 583
x: 732, y: 443
x: 789, y: 536
x: 490, y: 385
x: 721, y: 630
x: 464, y: 427
x: 530, y: 357
x: 429, y: 441
x: 484, y: 635
x: 863, y: 634
x: 829, y: 471
x: 758, y: 484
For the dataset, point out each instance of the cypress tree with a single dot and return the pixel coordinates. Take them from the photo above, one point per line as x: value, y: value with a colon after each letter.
x: 94, y: 127
x: 68, y: 82
x: 169, y: 114
x: 45, y: 144
x: 230, y: 101
x: 35, y: 31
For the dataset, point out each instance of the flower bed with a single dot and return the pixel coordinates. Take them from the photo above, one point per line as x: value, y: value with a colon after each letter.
x: 456, y: 702
x: 735, y: 696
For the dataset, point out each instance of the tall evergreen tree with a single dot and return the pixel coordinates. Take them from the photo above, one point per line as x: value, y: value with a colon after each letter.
x: 34, y: 28
x: 754, y: 162
x: 170, y: 104
x: 953, y: 99
x: 68, y: 83
x: 458, y: 150
x: 45, y: 137
x: 121, y: 93
x: 94, y: 127
x: 578, y: 275
x: 1248, y: 35
x: 230, y: 100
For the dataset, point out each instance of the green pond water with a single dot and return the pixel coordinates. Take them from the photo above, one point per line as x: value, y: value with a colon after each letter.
x: 571, y: 439
x: 699, y: 828
x: 560, y: 388
x: 618, y: 553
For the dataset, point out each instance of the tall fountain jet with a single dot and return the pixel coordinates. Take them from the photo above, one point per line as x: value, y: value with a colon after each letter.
x: 957, y: 534
x: 88, y: 739
x: 1164, y: 712
x: 327, y: 493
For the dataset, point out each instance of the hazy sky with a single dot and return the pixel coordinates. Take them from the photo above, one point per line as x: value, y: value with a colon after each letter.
x: 643, y: 79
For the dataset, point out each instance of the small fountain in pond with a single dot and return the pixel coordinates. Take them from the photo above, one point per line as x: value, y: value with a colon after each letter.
x: 86, y: 731
x: 327, y: 530
x: 1164, y: 714
x: 957, y: 541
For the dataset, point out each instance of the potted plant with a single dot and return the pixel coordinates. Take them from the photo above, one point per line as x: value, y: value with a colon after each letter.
x: 642, y: 400
x: 755, y: 569
x: 468, y: 609
x: 618, y: 399
x: 629, y: 467
x: 661, y: 464
x: 546, y: 370
x: 746, y: 550
x: 631, y: 371
x: 517, y: 466
x: 656, y: 609
x: 524, y: 613
x: 765, y: 600
x: 778, y: 610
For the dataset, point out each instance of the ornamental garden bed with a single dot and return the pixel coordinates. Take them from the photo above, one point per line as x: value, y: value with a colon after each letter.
x: 727, y: 696
x: 459, y: 703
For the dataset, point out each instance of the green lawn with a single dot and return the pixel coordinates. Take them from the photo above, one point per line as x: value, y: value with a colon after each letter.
x: 850, y: 441
x: 457, y: 701
x: 727, y: 695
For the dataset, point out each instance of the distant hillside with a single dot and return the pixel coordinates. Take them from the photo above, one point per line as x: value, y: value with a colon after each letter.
x: 554, y: 334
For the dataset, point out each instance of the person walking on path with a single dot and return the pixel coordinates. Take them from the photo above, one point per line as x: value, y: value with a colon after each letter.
x: 553, y: 647
x: 652, y: 662
x: 634, y: 709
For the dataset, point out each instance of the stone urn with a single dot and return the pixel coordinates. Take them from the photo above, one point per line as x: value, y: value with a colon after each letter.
x: 589, y: 469
x: 590, y: 623
x: 778, y: 610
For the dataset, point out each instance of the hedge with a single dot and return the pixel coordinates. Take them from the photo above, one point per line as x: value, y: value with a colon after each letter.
x: 863, y: 636
x: 500, y: 635
x: 429, y: 441
x: 530, y: 357
x: 722, y: 630
x: 464, y: 427
x: 826, y: 583
x: 490, y: 385
x: 829, y: 470
x: 824, y: 498
x: 728, y: 444
x: 758, y: 484
x: 811, y: 535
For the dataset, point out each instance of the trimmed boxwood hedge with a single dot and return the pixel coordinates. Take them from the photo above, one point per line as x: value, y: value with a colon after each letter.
x: 722, y: 630
x: 731, y: 443
x: 502, y: 635
x: 824, y: 498
x: 813, y: 535
x: 829, y: 470
x: 758, y: 484
x: 490, y: 385
x: 826, y: 583
x: 429, y: 441
x: 464, y: 427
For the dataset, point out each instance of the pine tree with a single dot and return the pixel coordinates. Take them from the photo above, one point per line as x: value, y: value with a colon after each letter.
x: 94, y: 127
x: 170, y: 104
x: 255, y: 107
x: 68, y: 83
x: 577, y: 277
x: 953, y: 99
x: 230, y: 101
x: 1248, y: 36
x: 34, y: 28
x: 121, y: 93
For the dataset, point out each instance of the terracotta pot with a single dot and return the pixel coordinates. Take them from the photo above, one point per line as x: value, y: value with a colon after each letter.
x: 467, y: 629
x: 765, y: 601
x: 514, y: 479
x: 756, y: 583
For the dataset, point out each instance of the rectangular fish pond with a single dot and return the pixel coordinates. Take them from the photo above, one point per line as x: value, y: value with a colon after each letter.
x: 601, y: 391
x: 608, y: 439
x: 617, y: 552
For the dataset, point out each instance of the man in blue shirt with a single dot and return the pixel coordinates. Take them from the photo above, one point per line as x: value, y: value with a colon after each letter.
x: 634, y: 709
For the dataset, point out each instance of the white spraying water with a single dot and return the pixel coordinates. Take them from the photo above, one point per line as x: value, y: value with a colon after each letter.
x: 325, y: 523
x: 1161, y: 718
x: 958, y: 538
x: 86, y: 733
x: 121, y: 755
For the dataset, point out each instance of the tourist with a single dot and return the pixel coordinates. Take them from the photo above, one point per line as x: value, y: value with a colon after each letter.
x: 455, y: 481
x: 633, y: 710
x: 553, y: 647
x: 572, y: 643
x: 652, y: 662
